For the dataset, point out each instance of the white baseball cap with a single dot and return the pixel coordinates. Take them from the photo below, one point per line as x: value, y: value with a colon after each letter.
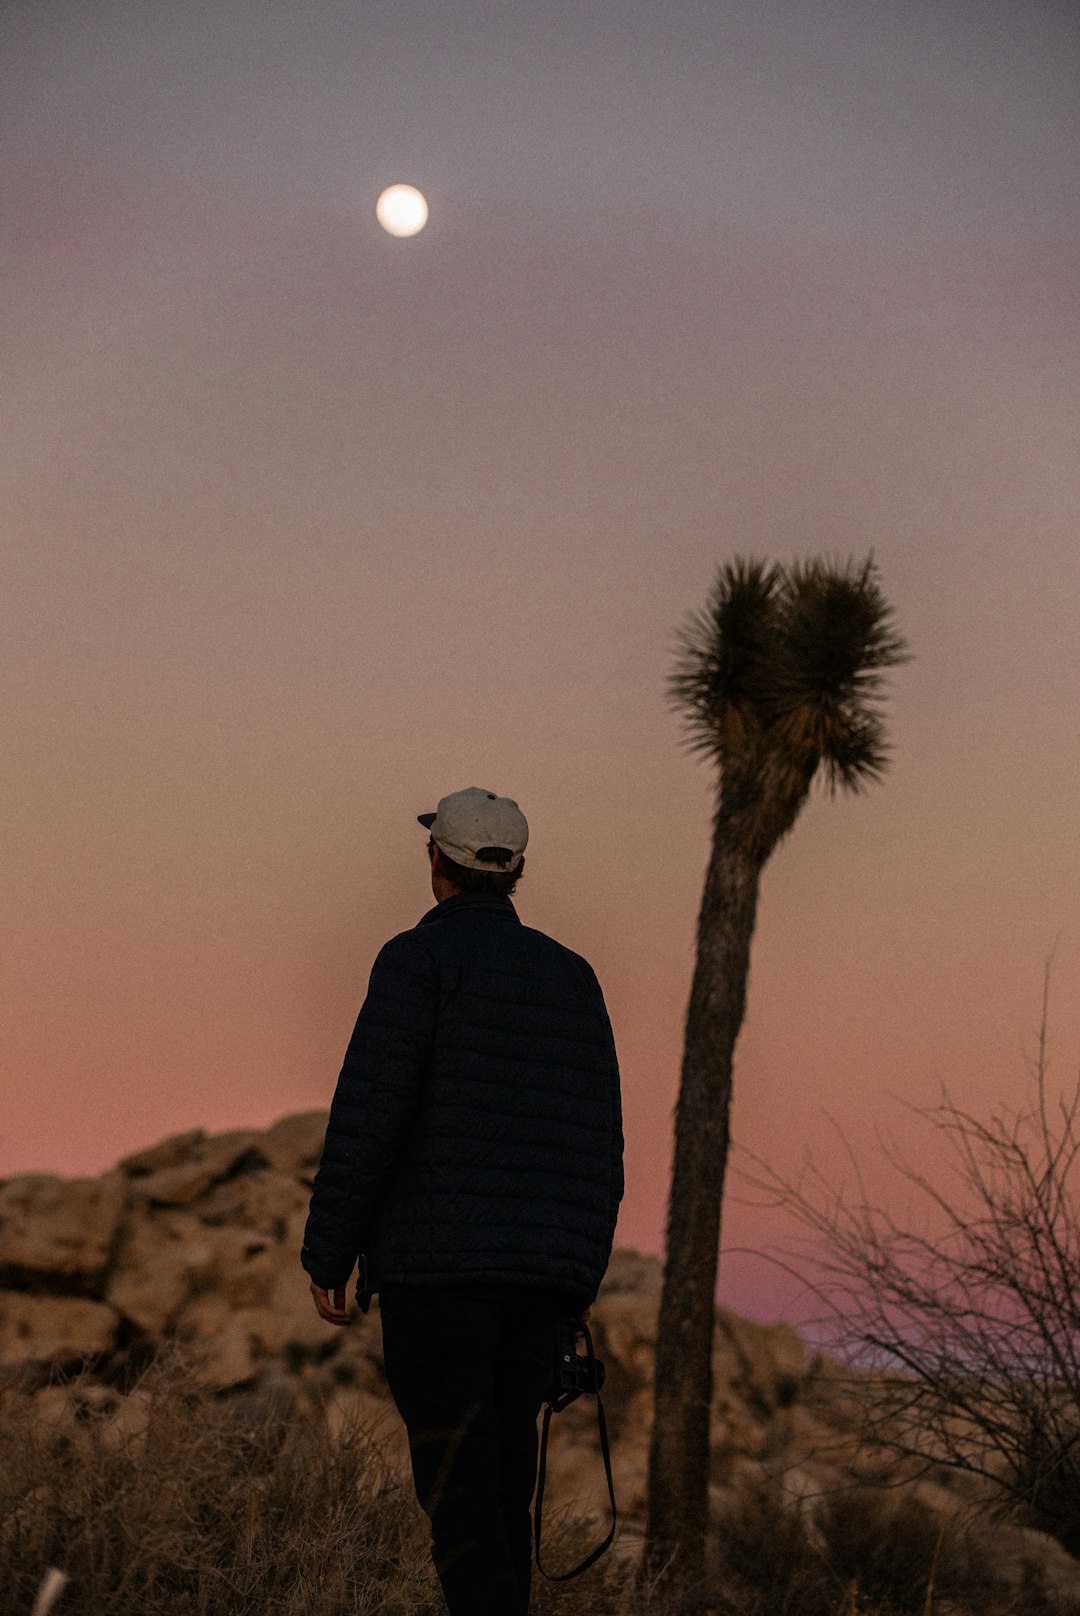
x: 472, y: 821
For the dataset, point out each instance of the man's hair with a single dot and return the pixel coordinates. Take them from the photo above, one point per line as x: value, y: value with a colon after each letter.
x: 489, y: 883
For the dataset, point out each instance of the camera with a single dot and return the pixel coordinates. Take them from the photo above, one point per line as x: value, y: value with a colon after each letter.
x: 574, y: 1373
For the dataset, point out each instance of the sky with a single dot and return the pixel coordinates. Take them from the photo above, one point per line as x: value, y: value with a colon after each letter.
x: 304, y: 526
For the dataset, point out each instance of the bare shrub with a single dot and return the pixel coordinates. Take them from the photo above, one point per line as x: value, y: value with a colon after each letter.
x: 969, y: 1310
x: 905, y: 1555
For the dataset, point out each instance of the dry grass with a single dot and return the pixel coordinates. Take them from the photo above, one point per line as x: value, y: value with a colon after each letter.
x: 165, y: 1502
x: 168, y: 1503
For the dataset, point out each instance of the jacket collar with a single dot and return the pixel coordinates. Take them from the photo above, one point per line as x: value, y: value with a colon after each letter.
x: 500, y: 908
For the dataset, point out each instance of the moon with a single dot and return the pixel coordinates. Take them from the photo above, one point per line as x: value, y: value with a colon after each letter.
x: 402, y: 210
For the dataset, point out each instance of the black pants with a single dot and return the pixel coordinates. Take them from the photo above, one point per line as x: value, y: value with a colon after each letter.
x: 468, y: 1366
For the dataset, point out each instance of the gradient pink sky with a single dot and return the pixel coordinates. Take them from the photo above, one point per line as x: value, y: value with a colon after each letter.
x: 304, y: 527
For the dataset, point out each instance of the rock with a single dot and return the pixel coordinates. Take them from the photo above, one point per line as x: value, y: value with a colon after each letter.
x: 1025, y: 1549
x: 120, y: 1419
x: 212, y: 1161
x: 92, y: 1402
x: 175, y: 1258
x: 300, y: 1333
x: 808, y: 1432
x: 631, y: 1271
x: 765, y: 1362
x: 624, y: 1325
x: 624, y: 1334
x: 129, y: 1422
x: 59, y: 1232
x: 159, y: 1263
x: 52, y: 1406
x: 62, y: 1332
x: 802, y: 1488
x: 168, y: 1153
x: 223, y: 1343
x: 348, y: 1371
x: 294, y: 1144
x: 362, y: 1340
x: 265, y: 1203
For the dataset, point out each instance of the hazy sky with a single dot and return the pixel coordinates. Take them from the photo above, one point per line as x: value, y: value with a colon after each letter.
x: 304, y: 526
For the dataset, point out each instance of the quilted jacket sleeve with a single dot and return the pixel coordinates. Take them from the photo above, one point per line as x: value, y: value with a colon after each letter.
x: 617, y: 1177
x: 377, y: 1096
x: 616, y: 1180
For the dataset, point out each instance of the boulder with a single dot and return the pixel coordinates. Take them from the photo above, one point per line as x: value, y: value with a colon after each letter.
x: 624, y: 1325
x: 633, y: 1272
x: 300, y: 1333
x: 624, y: 1334
x: 210, y: 1162
x: 179, y: 1147
x: 223, y: 1345
x: 294, y: 1144
x: 265, y: 1203
x: 62, y: 1332
x: 765, y: 1363
x: 169, y: 1256
x: 346, y: 1371
x: 159, y: 1262
x: 59, y: 1233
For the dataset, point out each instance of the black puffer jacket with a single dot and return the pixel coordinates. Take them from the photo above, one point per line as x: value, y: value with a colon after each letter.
x: 476, y: 1129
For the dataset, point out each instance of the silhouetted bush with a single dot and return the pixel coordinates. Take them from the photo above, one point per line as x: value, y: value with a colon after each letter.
x: 971, y: 1308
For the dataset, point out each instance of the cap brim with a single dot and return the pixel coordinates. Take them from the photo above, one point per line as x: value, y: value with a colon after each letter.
x: 427, y: 820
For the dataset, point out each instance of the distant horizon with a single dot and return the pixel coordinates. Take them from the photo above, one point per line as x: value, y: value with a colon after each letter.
x: 744, y: 1272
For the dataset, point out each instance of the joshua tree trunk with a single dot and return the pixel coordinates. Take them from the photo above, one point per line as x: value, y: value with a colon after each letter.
x: 778, y: 677
x: 679, y: 1453
x: 678, y: 1483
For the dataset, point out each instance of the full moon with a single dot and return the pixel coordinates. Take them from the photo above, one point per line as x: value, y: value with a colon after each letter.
x: 402, y: 210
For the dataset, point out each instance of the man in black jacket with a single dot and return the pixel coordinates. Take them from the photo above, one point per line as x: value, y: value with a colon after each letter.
x: 473, y: 1165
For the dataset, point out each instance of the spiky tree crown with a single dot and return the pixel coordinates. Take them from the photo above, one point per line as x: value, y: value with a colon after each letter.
x: 789, y: 661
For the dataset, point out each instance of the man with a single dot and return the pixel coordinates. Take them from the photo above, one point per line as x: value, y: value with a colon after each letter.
x: 473, y: 1164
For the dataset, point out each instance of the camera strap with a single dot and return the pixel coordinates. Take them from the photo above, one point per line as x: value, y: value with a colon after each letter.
x: 555, y: 1405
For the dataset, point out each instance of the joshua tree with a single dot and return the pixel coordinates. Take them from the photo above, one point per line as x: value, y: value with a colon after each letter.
x: 777, y: 678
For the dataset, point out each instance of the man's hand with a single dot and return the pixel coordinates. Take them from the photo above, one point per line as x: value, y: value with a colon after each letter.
x: 585, y: 1315
x: 331, y: 1308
